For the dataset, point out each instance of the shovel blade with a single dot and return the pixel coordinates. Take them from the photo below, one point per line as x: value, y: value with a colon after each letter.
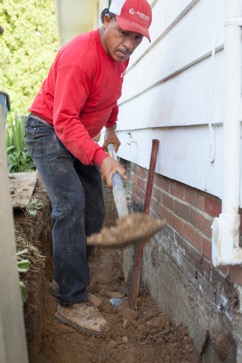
x: 132, y: 229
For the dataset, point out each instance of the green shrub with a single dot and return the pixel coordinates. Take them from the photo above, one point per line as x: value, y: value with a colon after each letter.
x: 27, y: 48
x: 19, y: 159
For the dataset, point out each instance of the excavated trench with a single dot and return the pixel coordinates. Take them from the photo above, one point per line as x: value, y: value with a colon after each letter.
x: 137, y: 336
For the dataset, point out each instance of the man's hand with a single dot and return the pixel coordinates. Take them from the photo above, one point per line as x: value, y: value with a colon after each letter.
x: 110, y: 137
x: 97, y: 137
x: 108, y: 167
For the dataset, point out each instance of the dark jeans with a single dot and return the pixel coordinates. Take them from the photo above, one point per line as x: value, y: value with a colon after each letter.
x: 76, y: 195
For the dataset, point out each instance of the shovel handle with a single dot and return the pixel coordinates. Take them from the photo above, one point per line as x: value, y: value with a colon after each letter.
x: 119, y: 194
x: 111, y: 151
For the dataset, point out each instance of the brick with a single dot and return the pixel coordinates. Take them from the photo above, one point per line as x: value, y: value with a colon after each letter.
x: 192, y: 236
x: 182, y: 210
x: 200, y: 201
x: 194, y: 197
x: 191, y: 196
x: 158, y: 194
x: 137, y: 200
x: 142, y: 184
x: 212, y: 206
x: 138, y: 194
x: 202, y: 223
x: 206, y: 248
x: 136, y: 190
x: 175, y: 222
x: 168, y: 202
x: 177, y: 189
x: 141, y: 172
x: 154, y: 204
x: 235, y: 274
x: 162, y: 212
x: 162, y: 183
x: 135, y: 179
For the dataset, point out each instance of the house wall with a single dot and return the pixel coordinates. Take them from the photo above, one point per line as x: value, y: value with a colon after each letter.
x: 174, y: 92
x: 177, y: 268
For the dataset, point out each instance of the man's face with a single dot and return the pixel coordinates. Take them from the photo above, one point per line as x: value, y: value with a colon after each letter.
x: 118, y: 43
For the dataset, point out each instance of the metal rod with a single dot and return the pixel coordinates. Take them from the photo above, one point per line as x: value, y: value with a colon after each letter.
x: 134, y: 287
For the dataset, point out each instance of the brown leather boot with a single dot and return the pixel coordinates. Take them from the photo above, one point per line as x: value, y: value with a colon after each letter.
x: 84, y: 317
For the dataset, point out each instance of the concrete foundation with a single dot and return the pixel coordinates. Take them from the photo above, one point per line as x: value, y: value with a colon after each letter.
x: 192, y: 292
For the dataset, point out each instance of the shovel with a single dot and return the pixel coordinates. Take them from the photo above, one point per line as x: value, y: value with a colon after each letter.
x: 130, y: 229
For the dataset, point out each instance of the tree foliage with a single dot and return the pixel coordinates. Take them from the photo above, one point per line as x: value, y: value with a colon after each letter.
x: 27, y: 49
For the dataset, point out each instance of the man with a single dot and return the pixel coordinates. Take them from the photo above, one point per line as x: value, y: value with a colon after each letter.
x: 77, y: 99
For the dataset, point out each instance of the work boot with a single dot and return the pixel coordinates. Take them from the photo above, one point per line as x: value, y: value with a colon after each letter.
x: 53, y: 287
x: 84, y: 317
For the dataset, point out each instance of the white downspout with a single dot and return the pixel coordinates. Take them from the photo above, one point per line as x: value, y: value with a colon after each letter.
x: 225, y: 236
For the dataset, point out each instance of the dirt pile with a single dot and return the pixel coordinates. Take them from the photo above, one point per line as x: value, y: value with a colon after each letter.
x: 134, y: 228
x: 142, y: 335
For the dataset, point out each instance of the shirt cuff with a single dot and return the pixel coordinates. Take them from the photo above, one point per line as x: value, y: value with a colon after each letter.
x: 99, y: 156
x: 113, y: 127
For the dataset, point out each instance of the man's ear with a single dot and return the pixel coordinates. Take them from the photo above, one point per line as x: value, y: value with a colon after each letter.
x: 106, y: 21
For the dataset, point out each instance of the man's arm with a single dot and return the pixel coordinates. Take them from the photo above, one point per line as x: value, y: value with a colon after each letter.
x: 110, y: 137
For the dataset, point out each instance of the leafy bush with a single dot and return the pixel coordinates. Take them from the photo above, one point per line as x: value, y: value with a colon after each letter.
x: 19, y: 159
x: 27, y: 48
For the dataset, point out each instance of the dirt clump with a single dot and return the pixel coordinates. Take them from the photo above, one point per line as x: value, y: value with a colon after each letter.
x: 137, y: 336
x: 131, y: 229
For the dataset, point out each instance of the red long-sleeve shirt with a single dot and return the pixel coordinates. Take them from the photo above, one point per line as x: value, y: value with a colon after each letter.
x: 80, y: 95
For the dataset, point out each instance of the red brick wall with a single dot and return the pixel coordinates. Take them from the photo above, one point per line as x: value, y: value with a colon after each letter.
x: 188, y: 211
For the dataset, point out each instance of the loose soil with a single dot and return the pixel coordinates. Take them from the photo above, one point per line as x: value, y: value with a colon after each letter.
x: 137, y: 336
x: 132, y: 229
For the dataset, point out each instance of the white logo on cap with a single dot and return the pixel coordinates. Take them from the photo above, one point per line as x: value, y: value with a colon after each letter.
x: 141, y: 15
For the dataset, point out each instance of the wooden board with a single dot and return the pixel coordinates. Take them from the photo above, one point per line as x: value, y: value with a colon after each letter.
x: 21, y: 188
x: 13, y: 347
